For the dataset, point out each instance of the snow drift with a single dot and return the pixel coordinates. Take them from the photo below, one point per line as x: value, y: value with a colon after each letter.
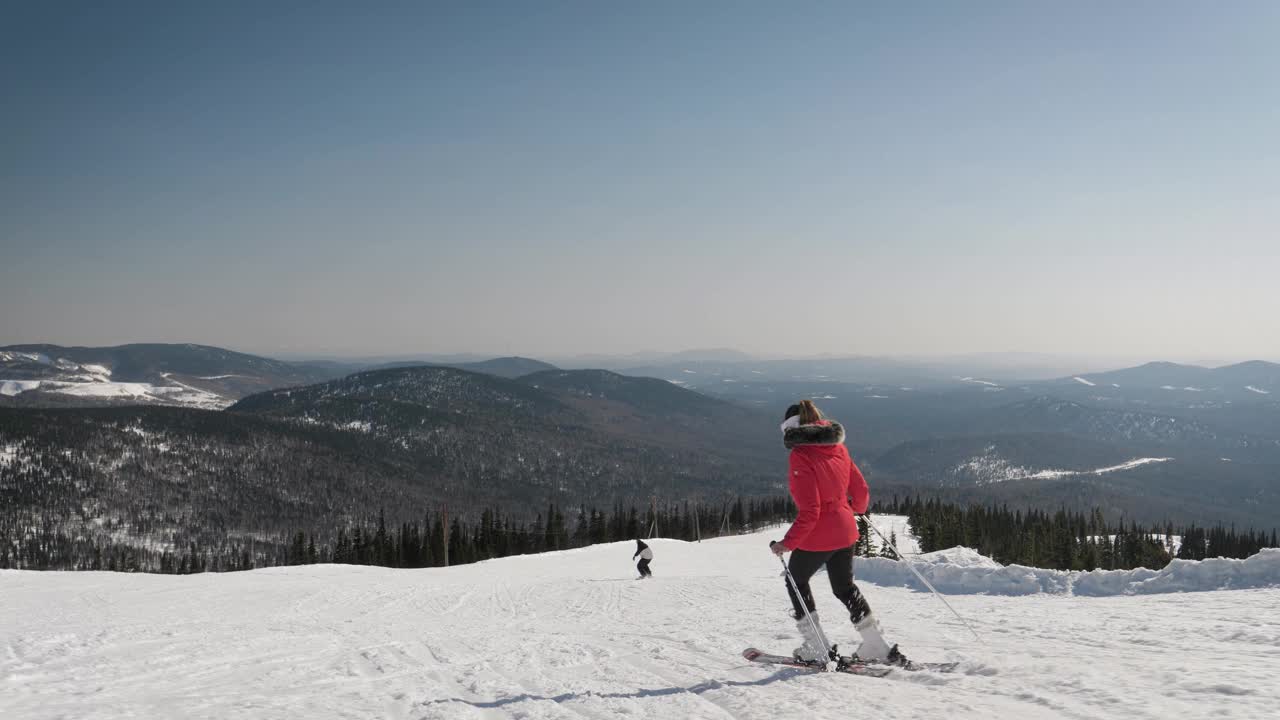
x: 962, y: 571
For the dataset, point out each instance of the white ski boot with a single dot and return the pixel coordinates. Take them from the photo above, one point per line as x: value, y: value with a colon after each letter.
x: 873, y: 647
x: 812, y: 650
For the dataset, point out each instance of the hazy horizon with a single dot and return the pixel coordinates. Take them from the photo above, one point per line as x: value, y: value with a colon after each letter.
x: 1091, y: 181
x: 1066, y: 363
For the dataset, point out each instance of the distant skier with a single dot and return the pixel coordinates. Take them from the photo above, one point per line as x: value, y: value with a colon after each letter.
x: 828, y: 490
x: 645, y: 554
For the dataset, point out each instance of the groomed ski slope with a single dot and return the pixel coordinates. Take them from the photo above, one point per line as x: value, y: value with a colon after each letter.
x: 573, y: 635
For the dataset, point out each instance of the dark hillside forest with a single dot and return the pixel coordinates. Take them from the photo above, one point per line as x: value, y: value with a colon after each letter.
x: 1058, y: 540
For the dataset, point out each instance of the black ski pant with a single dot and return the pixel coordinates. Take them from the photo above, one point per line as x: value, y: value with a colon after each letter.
x: 804, y: 563
x: 643, y: 567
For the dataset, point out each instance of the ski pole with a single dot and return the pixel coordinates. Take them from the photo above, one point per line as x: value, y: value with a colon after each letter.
x: 922, y: 578
x: 817, y: 630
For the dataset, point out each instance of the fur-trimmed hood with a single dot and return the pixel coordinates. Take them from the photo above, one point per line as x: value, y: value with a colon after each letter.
x: 829, y: 433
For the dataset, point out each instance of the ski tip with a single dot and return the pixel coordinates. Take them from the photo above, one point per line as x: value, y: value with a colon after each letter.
x: 751, y: 653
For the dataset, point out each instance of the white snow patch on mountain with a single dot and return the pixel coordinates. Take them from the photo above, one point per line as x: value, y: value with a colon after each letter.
x: 1138, y: 462
x: 17, y: 387
x: 11, y: 356
x: 106, y: 389
x: 91, y: 381
x: 8, y: 454
x: 572, y: 634
x: 196, y: 396
x: 991, y: 467
x: 979, y: 382
x: 1260, y: 391
x: 1082, y: 381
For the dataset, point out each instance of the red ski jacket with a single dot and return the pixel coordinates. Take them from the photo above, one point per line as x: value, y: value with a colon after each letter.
x: 827, y: 487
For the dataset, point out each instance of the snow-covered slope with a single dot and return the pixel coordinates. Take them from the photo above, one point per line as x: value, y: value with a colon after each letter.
x: 85, y: 380
x: 573, y: 635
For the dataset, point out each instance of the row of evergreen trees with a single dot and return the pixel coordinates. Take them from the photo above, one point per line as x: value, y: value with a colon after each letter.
x: 1065, y: 540
x: 439, y: 539
x: 1060, y: 540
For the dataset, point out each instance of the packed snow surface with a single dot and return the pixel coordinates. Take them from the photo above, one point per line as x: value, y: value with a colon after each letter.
x: 574, y: 635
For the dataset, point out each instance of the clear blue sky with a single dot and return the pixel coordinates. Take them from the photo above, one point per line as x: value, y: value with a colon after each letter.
x: 873, y: 178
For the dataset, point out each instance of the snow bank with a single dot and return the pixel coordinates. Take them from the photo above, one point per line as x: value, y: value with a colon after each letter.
x: 962, y: 571
x: 1258, y: 571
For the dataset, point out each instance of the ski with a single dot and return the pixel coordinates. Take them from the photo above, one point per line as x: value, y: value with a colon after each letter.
x: 853, y: 666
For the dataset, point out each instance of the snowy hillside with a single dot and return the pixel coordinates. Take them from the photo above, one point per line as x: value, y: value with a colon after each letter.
x: 573, y: 635
x: 185, y: 375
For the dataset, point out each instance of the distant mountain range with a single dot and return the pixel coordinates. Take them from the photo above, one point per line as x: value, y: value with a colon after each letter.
x: 179, y: 375
x: 1158, y: 441
x: 184, y: 375
x: 400, y: 440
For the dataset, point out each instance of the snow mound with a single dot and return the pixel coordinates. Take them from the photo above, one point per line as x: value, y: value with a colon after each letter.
x: 1257, y: 571
x: 957, y: 556
x: 970, y: 574
x: 963, y: 571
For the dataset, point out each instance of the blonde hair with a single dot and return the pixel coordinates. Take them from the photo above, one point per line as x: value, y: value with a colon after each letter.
x: 809, y: 413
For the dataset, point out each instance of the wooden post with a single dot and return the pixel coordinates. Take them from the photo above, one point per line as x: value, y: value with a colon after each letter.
x: 445, y: 531
x: 696, y: 531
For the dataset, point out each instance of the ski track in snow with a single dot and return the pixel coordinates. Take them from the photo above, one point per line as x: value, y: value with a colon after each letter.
x: 574, y: 635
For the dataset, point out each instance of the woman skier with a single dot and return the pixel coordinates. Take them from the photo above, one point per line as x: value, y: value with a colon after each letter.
x: 645, y: 554
x: 828, y: 490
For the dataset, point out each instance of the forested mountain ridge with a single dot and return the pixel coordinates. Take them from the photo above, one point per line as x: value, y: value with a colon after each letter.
x: 406, y: 440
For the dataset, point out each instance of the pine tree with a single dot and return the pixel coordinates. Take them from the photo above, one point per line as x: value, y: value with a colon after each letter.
x: 887, y: 549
